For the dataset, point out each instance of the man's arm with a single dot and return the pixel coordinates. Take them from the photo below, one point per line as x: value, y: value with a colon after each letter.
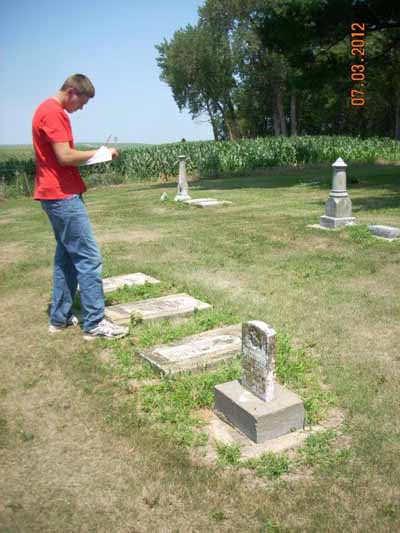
x: 67, y: 156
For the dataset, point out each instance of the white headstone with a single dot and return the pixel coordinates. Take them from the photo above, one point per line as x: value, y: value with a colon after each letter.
x: 183, y: 187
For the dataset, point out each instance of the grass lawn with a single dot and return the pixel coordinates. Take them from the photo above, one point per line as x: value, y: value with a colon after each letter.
x: 91, y: 439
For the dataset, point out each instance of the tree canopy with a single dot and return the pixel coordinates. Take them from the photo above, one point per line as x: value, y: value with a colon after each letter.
x: 284, y: 67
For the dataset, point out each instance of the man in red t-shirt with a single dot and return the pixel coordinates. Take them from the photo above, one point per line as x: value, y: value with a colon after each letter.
x: 59, y: 187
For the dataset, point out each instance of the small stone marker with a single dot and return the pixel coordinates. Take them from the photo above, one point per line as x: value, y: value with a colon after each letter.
x: 197, y: 351
x: 183, y: 187
x: 153, y: 309
x: 385, y: 232
x: 206, y: 202
x: 116, y: 282
x: 338, y: 207
x: 257, y: 406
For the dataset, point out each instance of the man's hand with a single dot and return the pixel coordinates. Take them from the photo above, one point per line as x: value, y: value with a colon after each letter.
x: 114, y: 153
x: 67, y: 156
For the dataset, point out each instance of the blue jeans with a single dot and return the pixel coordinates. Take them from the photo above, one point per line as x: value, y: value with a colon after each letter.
x: 77, y: 260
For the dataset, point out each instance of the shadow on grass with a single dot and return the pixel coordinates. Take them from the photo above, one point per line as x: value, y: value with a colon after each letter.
x: 369, y: 203
x: 317, y: 177
x: 373, y: 203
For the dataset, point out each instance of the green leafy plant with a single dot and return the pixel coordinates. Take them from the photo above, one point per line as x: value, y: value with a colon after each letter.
x: 269, y: 465
x: 228, y: 454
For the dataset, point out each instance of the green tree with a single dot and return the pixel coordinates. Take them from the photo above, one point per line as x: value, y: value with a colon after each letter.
x: 260, y: 67
x: 198, y: 67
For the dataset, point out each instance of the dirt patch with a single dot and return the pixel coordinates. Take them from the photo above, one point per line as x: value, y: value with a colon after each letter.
x: 385, y: 284
x: 59, y: 450
x: 220, y: 280
x: 135, y: 384
x: 12, y: 253
x: 17, y: 212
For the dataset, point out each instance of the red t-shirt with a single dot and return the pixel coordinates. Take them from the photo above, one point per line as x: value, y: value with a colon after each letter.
x: 51, y: 124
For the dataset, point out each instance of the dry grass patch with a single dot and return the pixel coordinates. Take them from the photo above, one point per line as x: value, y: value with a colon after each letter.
x: 136, y: 236
x: 219, y: 280
x: 12, y: 252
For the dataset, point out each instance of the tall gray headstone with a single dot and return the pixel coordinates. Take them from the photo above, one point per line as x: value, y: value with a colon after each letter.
x: 183, y: 187
x: 338, y: 208
x: 258, y: 359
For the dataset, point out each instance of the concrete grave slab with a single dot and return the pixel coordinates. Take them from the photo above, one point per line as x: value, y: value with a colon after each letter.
x: 257, y: 419
x: 222, y: 432
x: 389, y: 233
x: 116, y: 282
x: 153, y: 309
x: 197, y: 351
x: 206, y: 202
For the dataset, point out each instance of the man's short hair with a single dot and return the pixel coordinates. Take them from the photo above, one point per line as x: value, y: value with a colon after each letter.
x: 81, y: 84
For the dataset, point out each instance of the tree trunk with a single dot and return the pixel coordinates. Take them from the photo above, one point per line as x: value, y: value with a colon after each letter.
x: 279, y: 111
x: 231, y: 122
x: 213, y: 122
x: 293, y: 115
x: 397, y: 119
x: 282, y: 118
x: 233, y: 128
x: 275, y: 114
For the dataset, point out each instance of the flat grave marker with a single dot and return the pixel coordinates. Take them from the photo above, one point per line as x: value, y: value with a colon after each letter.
x: 389, y: 233
x: 206, y: 202
x: 117, y: 282
x: 153, y: 309
x: 196, y: 352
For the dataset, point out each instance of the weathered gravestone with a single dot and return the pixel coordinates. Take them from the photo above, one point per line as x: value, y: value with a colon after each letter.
x: 196, y: 352
x: 257, y: 405
x: 117, y: 282
x: 385, y: 232
x: 182, y: 194
x: 258, y: 359
x: 207, y: 202
x: 154, y: 309
x: 338, y: 208
x: 183, y: 188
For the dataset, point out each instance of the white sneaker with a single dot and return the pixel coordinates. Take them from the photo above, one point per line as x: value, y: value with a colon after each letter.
x: 106, y: 329
x: 72, y: 321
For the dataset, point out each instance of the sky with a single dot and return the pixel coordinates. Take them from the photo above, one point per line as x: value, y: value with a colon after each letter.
x: 42, y: 42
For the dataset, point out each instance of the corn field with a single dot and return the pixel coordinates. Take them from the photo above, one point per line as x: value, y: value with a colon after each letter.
x: 210, y: 159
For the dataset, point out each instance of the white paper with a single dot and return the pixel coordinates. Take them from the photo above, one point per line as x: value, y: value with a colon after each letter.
x: 102, y: 155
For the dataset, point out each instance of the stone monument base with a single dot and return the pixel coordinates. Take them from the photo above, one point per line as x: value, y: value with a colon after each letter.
x: 333, y: 222
x: 257, y: 419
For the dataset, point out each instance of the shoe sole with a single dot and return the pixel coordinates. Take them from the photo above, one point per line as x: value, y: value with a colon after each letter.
x: 94, y: 337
